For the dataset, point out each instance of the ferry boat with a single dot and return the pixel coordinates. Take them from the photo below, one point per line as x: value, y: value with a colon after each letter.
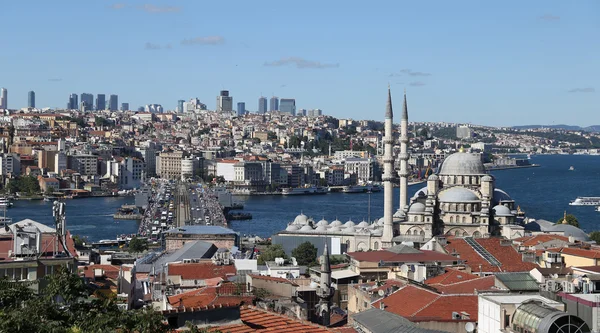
x: 304, y: 190
x: 585, y: 201
x: 361, y: 188
x: 4, y: 202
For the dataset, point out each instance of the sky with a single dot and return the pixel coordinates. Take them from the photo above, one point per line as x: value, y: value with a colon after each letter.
x: 500, y: 63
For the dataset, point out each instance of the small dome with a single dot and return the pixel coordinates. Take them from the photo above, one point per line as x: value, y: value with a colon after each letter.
x: 422, y: 193
x: 322, y: 223
x: 381, y: 221
x: 364, y: 224
x: 500, y: 195
x: 377, y: 232
x: 335, y: 229
x: 462, y: 164
x: 349, y: 224
x: 487, y: 178
x: 417, y: 207
x: 291, y: 227
x: 458, y: 194
x: 301, y: 219
x: 306, y: 228
x: 349, y: 229
x: 336, y: 223
x: 433, y: 177
x: 501, y: 210
x: 321, y: 228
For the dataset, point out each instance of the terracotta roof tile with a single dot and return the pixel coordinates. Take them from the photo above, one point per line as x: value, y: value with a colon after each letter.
x: 591, y: 254
x: 425, y: 256
x: 270, y: 278
x: 450, y: 276
x: 200, y: 271
x: 468, y: 287
x: 539, y: 239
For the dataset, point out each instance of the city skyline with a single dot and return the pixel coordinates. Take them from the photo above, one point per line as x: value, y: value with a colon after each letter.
x: 463, y: 62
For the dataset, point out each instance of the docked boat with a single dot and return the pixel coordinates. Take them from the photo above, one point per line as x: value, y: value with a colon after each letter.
x: 571, y: 168
x: 361, y: 188
x: 5, y: 202
x: 304, y: 190
x: 585, y: 201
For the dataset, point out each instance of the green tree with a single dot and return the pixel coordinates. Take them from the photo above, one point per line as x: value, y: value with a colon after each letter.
x: 595, y: 236
x: 305, y: 254
x: 270, y: 253
x: 571, y: 219
x: 137, y: 245
x: 79, y: 240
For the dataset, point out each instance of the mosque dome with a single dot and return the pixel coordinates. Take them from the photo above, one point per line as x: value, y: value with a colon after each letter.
x: 462, y: 164
x: 291, y: 227
x: 364, y: 224
x: 349, y: 229
x: 323, y: 222
x: 335, y: 229
x: 381, y: 221
x: 349, y: 224
x: 500, y: 195
x: 433, y: 177
x: 306, y: 228
x: 501, y: 210
x: 336, y: 223
x: 321, y: 228
x: 301, y: 219
x: 377, y: 232
x: 570, y: 231
x: 417, y: 207
x: 421, y: 193
x: 458, y: 194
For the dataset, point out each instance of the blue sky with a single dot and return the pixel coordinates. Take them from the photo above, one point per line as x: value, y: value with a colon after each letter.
x: 481, y: 62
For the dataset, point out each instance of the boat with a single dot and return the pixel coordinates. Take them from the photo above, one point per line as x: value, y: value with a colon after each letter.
x: 571, y: 168
x: 304, y: 190
x: 239, y: 216
x: 598, y: 208
x: 361, y: 188
x: 585, y: 201
x: 4, y: 202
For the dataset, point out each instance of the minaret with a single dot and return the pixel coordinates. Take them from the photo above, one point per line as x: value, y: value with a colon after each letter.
x: 388, y: 167
x: 404, y: 158
x: 325, y: 291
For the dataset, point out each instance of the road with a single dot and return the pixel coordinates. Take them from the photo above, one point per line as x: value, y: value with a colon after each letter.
x: 182, y: 202
x: 200, y: 207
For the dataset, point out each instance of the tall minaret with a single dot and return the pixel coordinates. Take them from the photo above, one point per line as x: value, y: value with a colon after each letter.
x: 388, y: 167
x: 325, y: 291
x: 404, y: 157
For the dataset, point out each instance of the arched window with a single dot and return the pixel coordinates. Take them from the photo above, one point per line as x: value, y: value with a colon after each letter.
x: 464, y: 220
x: 476, y: 234
x: 465, y: 234
x: 422, y: 233
x: 456, y: 233
x: 451, y: 219
x: 415, y: 232
x: 376, y: 246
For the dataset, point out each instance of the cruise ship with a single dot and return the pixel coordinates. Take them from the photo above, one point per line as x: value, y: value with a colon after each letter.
x: 304, y: 190
x: 585, y: 201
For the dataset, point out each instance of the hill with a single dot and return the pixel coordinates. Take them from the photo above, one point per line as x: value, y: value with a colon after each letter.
x: 593, y: 128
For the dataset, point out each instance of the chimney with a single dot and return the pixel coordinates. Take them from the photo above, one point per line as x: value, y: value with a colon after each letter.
x: 381, y: 305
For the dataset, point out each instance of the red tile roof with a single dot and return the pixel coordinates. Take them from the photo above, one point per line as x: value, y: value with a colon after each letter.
x: 451, y: 276
x: 595, y: 269
x: 468, y: 287
x: 274, y: 279
x: 207, y: 296
x: 590, y: 254
x: 511, y: 260
x: 201, y: 271
x: 539, y: 239
x: 383, y: 255
x: 426, y: 305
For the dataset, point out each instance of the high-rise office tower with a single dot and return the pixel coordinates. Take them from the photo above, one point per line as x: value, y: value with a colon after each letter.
x: 241, y: 108
x: 88, y: 99
x: 73, y: 103
x: 3, y: 98
x: 100, y: 102
x: 141, y: 109
x: 224, y: 102
x: 113, y: 102
x: 262, y: 104
x: 288, y: 105
x: 180, y: 106
x: 31, y: 99
x: 124, y: 106
x: 274, y: 104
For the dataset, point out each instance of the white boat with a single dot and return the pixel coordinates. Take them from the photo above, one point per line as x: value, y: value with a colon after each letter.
x: 4, y: 202
x: 585, y: 201
x: 571, y: 168
x: 598, y: 208
x: 361, y: 188
x: 304, y: 190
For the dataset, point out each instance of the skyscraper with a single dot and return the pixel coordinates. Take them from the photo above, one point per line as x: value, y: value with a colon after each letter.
x: 113, y: 103
x: 31, y: 99
x: 100, y: 102
x: 262, y: 104
x: 3, y: 98
x: 288, y: 105
x: 224, y: 102
x: 274, y: 104
x: 180, y: 104
x: 88, y: 100
x: 124, y: 106
x: 73, y: 104
x: 241, y: 108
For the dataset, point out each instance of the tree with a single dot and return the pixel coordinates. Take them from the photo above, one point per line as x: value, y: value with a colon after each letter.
x: 270, y: 253
x: 137, y: 245
x: 595, y: 236
x: 305, y: 254
x: 79, y: 240
x: 571, y: 219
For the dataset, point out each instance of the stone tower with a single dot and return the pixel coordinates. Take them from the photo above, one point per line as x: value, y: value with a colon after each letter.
x: 403, y: 159
x: 388, y: 167
x: 325, y: 291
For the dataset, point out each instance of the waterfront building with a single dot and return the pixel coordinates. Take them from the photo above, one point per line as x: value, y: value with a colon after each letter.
x: 113, y: 102
x: 224, y: 102
x: 73, y: 104
x: 288, y: 105
x: 10, y: 164
x: 88, y: 101
x: 31, y: 99
x: 100, y: 102
x: 241, y: 108
x: 366, y: 170
x: 262, y: 104
x: 274, y: 104
x: 168, y: 165
x: 124, y: 106
x: 85, y: 165
x: 126, y: 172
x: 464, y: 132
x: 3, y: 98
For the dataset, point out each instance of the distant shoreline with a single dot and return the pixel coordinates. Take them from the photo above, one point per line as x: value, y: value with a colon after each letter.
x: 512, y: 167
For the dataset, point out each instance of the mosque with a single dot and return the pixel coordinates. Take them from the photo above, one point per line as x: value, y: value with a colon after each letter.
x: 461, y: 200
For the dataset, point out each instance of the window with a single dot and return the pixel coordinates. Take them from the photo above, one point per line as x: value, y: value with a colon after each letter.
x: 375, y: 247
x: 464, y: 220
x: 344, y: 297
x: 451, y: 219
x: 365, y: 305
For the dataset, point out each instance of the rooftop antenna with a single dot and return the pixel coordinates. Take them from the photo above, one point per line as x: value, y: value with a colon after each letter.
x: 58, y: 212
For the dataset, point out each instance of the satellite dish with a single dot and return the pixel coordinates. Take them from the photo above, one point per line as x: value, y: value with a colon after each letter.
x: 469, y: 327
x: 381, y: 292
